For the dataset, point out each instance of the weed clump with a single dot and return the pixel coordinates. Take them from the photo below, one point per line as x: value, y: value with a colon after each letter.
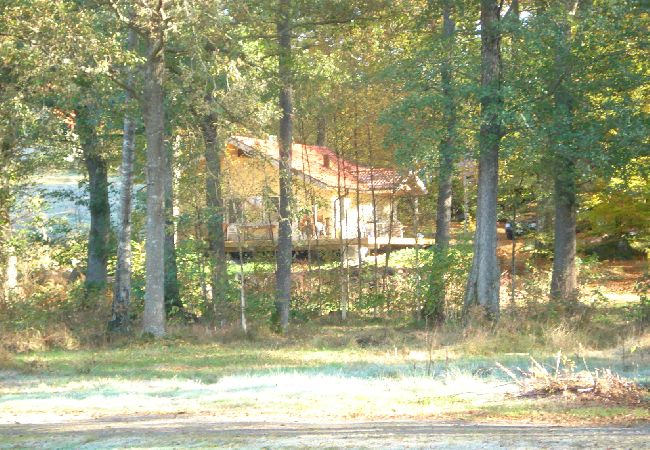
x: 600, y: 385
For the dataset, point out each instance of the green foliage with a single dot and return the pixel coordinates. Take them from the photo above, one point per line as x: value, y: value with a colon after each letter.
x: 193, y: 274
x: 416, y: 120
x: 620, y: 207
x: 588, y: 269
x: 137, y: 278
x: 447, y: 275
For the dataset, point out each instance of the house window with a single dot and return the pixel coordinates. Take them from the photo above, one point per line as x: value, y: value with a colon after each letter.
x: 326, y: 161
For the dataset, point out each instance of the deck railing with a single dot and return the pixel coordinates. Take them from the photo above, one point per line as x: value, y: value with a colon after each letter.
x: 269, y: 231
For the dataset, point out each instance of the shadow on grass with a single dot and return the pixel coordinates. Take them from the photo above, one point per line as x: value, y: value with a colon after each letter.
x: 209, y: 363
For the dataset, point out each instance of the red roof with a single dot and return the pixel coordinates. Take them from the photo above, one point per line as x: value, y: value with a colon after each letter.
x: 323, y: 165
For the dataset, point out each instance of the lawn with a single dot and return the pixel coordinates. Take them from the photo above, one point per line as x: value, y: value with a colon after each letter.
x: 278, y: 379
x: 73, y: 398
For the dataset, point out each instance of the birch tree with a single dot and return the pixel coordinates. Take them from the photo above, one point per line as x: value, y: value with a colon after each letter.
x: 122, y: 287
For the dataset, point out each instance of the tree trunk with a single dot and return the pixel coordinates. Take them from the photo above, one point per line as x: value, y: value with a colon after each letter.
x: 443, y: 211
x: 418, y: 306
x: 214, y: 203
x: 373, y: 199
x: 342, y: 216
x: 122, y: 288
x: 483, y: 282
x: 154, y: 121
x: 8, y: 259
x: 360, y: 282
x: 513, y: 253
x: 321, y: 130
x: 100, y: 218
x: 5, y: 250
x: 242, y: 287
x: 564, y: 277
x: 544, y: 211
x: 283, y: 271
x: 173, y: 304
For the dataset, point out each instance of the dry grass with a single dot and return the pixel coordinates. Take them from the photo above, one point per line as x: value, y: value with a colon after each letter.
x: 33, y: 339
x: 598, y: 385
x: 7, y: 360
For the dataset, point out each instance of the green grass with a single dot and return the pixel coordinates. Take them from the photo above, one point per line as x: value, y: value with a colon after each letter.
x: 104, y: 397
x: 564, y: 411
x: 267, y: 380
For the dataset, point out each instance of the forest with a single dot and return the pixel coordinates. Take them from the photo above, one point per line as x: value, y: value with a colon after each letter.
x: 369, y: 177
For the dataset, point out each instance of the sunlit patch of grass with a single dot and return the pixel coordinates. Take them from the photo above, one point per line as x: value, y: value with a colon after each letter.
x: 220, y: 380
x: 283, y: 394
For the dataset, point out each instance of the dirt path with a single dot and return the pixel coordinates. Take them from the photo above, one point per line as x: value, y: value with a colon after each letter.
x: 210, y: 432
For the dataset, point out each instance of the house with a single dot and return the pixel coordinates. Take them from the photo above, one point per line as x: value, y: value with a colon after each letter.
x: 335, y: 199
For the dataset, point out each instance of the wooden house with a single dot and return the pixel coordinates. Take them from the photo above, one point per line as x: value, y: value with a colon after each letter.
x: 334, y: 200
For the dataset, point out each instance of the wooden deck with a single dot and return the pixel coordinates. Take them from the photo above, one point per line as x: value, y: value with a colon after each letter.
x: 326, y: 243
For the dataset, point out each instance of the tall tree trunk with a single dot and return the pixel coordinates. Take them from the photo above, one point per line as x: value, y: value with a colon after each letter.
x: 283, y: 271
x: 465, y: 196
x: 483, y: 282
x: 544, y: 210
x: 564, y: 282
x: 434, y: 307
x: 564, y: 276
x: 418, y: 306
x: 513, y: 252
x: 443, y: 211
x: 173, y: 304
x: 360, y: 281
x: 5, y: 250
x: 122, y: 288
x: 8, y: 261
x: 242, y: 287
x: 100, y: 218
x: 373, y: 199
x: 321, y: 130
x: 215, y: 212
x: 154, y: 121
x: 343, y: 246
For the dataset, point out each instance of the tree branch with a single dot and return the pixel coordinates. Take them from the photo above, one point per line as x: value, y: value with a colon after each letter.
x: 127, y: 21
x: 113, y: 75
x: 333, y: 21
